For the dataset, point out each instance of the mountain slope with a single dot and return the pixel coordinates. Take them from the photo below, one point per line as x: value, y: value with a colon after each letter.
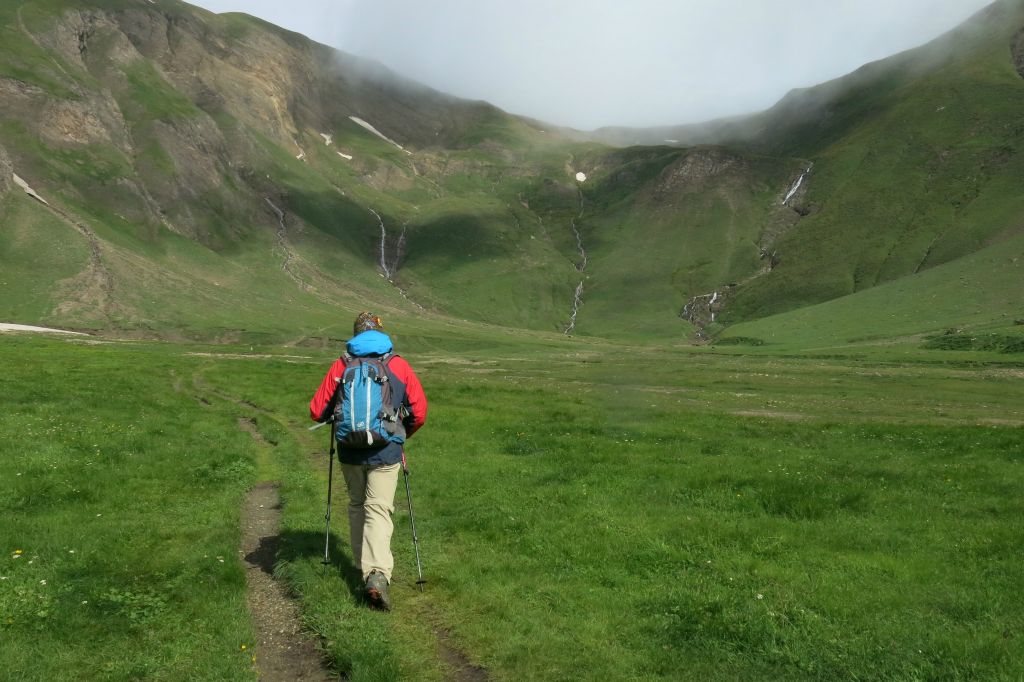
x: 916, y: 167
x: 980, y: 292
x: 216, y: 176
x: 916, y: 160
x: 168, y: 136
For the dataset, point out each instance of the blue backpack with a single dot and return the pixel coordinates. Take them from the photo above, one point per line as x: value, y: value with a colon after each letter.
x: 369, y: 406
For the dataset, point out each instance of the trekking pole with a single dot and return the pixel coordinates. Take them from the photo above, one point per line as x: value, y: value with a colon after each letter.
x: 412, y: 522
x: 330, y: 483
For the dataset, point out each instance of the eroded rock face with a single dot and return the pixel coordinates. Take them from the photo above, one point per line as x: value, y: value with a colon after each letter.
x: 13, y: 90
x: 77, y: 34
x: 691, y: 171
x: 72, y: 121
x: 196, y: 147
x: 258, y: 85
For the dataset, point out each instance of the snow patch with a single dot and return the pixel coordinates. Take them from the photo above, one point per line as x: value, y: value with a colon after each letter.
x: 345, y: 156
x: 359, y: 121
x: 8, y: 327
x: 28, y: 190
x: 328, y: 139
x: 581, y: 177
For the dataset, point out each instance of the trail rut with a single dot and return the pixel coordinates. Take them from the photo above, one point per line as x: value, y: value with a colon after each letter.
x: 284, y: 651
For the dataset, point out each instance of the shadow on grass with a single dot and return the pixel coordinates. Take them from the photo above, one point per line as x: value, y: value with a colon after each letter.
x: 295, y: 545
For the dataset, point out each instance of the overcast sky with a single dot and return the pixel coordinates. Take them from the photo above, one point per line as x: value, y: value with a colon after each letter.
x: 589, y: 63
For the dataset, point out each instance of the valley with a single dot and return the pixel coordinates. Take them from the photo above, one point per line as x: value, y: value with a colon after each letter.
x: 733, y: 400
x: 171, y: 130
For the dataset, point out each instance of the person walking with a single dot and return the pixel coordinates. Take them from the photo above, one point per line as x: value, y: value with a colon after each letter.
x: 371, y: 432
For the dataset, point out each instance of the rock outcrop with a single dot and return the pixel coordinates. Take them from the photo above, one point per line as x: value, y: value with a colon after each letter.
x: 692, y: 171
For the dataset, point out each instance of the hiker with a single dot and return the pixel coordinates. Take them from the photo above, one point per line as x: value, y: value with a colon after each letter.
x: 370, y: 445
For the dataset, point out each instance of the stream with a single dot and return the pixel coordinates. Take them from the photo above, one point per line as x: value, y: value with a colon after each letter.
x: 577, y: 297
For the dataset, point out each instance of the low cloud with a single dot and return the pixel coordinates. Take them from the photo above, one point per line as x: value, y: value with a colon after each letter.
x: 587, y: 63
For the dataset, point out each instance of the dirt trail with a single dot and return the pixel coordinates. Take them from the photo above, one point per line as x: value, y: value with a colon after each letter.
x: 284, y: 651
x: 460, y: 667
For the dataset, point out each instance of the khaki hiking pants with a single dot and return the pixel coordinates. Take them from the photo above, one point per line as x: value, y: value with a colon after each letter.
x: 371, y: 501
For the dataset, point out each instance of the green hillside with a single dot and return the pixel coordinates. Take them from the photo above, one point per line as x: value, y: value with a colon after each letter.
x: 981, y: 292
x: 748, y: 408
x: 916, y: 163
x: 213, y: 176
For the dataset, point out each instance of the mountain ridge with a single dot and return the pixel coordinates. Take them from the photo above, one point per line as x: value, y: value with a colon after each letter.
x: 274, y: 181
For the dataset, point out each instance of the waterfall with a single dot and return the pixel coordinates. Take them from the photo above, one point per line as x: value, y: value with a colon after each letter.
x: 383, y: 251
x: 796, y: 185
x: 399, y: 249
x: 579, y: 246
x: 282, y: 242
x: 700, y: 310
x: 577, y: 298
x: 576, y: 301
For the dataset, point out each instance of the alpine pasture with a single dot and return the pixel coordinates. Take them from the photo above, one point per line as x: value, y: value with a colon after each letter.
x: 741, y: 401
x: 587, y: 510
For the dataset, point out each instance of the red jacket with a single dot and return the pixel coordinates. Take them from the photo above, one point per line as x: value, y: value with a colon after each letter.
x: 322, y: 405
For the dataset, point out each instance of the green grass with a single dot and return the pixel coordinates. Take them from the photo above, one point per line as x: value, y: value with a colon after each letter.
x: 913, y: 167
x: 562, y: 539
x: 976, y: 292
x: 957, y: 340
x: 816, y: 497
x: 120, y: 519
x: 580, y: 516
x: 38, y: 254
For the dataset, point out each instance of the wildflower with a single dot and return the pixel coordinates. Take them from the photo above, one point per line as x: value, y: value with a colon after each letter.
x: 42, y: 582
x: 243, y: 647
x: 760, y: 596
x: 19, y: 551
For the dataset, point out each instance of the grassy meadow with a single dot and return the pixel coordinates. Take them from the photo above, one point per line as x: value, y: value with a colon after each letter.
x: 830, y: 491
x: 586, y: 510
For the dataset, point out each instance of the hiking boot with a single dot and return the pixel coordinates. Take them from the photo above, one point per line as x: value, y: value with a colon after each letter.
x: 377, y: 591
